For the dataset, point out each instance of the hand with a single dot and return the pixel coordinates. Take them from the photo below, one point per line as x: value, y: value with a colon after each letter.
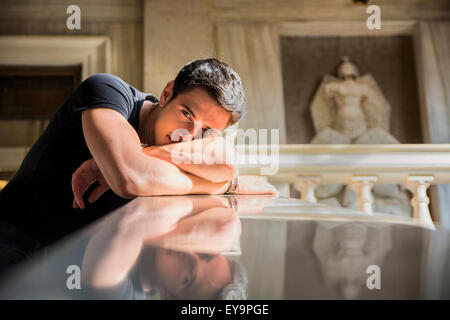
x: 82, y: 178
x: 212, y: 159
x: 211, y: 231
x: 150, y: 217
x: 253, y: 204
x: 255, y: 185
x: 208, y: 150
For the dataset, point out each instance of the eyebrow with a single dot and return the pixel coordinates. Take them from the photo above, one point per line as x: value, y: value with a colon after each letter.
x: 193, y: 114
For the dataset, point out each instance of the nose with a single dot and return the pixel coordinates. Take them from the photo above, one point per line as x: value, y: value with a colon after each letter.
x: 187, y: 136
x: 191, y: 133
x: 187, y: 132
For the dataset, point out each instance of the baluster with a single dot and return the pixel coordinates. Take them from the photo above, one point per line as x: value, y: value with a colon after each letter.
x: 363, y: 186
x: 306, y: 185
x: 418, y: 185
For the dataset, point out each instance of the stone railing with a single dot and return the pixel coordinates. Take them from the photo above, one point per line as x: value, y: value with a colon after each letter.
x: 358, y: 166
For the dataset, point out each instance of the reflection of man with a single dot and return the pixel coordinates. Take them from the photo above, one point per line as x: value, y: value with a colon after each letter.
x: 183, y: 275
x: 172, y: 245
x: 199, y: 276
x: 93, y: 148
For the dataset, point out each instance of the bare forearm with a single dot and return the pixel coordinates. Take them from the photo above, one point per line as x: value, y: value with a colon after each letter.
x: 109, y: 256
x: 203, y: 186
x: 186, y: 157
x: 159, y: 177
x: 129, y: 172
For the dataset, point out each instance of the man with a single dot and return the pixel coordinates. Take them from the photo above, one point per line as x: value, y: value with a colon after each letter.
x: 92, y: 148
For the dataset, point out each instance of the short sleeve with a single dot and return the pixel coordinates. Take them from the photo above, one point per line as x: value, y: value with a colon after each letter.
x: 106, y: 91
x: 125, y: 290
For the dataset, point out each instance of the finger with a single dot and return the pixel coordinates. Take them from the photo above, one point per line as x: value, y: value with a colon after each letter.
x: 75, y: 201
x: 97, y: 192
x: 76, y: 187
x: 80, y: 203
x: 78, y: 194
x: 81, y: 181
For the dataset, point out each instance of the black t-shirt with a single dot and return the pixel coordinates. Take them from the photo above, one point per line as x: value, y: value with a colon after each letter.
x: 130, y: 288
x: 38, y: 200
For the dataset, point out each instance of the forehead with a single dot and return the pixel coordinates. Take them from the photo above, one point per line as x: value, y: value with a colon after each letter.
x: 205, y: 108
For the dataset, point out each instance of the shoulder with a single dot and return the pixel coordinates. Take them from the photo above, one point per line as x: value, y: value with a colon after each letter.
x: 103, y: 90
x: 106, y: 86
x: 104, y: 78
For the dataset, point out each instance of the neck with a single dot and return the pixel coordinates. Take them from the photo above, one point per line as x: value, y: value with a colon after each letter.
x: 146, y: 123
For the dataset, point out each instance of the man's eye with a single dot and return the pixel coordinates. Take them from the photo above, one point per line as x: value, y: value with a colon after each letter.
x: 209, y: 132
x: 187, y: 114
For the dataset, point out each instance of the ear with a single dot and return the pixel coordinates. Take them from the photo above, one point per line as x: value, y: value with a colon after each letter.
x: 166, y: 95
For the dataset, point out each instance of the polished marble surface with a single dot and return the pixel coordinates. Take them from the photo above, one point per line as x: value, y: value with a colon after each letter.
x: 241, y: 247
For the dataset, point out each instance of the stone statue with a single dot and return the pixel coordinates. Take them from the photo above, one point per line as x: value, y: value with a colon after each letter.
x: 351, y: 109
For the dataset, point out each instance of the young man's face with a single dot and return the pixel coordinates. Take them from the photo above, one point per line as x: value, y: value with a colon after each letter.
x: 188, y: 116
x: 184, y: 275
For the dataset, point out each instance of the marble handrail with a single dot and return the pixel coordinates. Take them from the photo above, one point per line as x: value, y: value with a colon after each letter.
x: 359, y: 166
x: 391, y: 163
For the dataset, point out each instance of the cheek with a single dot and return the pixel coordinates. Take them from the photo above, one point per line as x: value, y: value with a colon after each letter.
x: 163, y: 128
x: 166, y: 269
x: 171, y: 271
x: 168, y: 122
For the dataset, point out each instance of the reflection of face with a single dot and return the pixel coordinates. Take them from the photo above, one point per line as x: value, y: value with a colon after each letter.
x: 191, y: 275
x: 180, y: 113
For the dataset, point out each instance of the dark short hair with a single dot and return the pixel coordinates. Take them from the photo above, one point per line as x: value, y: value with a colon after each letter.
x: 220, y: 81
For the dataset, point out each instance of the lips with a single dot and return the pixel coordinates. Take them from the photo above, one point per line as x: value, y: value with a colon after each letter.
x: 169, y: 140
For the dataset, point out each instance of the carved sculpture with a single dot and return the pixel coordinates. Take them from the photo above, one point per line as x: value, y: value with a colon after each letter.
x: 351, y: 109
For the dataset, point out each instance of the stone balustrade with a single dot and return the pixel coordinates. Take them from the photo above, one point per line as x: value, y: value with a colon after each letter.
x: 416, y: 166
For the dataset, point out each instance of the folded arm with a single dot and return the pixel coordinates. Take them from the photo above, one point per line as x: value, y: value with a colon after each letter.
x: 208, y: 158
x: 129, y: 172
x: 119, y: 163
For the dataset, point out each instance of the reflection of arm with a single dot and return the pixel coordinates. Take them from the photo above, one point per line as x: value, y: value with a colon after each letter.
x: 109, y: 256
x: 114, y: 248
x: 211, y: 231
